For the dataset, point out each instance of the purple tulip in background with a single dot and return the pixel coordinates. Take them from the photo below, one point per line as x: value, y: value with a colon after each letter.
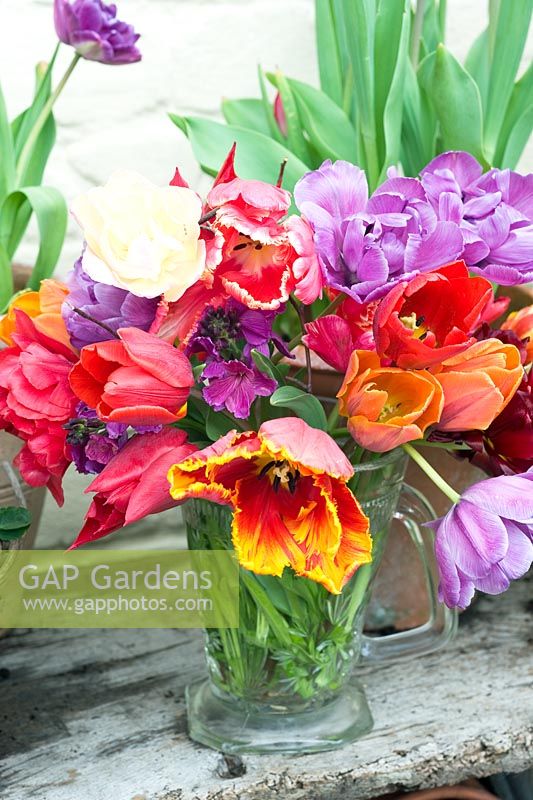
x: 363, y: 243
x: 116, y: 308
x: 493, y: 210
x: 486, y: 539
x: 91, y: 27
x: 408, y: 225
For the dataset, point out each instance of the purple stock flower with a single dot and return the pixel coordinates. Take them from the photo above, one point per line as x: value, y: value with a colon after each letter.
x: 92, y: 442
x: 116, y: 308
x: 234, y: 386
x: 228, y: 335
x: 91, y: 27
x: 233, y: 330
x: 364, y: 244
x: 486, y: 539
x: 494, y: 212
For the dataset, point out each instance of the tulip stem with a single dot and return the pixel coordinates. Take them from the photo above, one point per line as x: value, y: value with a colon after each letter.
x: 298, y: 307
x: 29, y: 144
x: 298, y: 338
x: 432, y: 473
x: 88, y: 317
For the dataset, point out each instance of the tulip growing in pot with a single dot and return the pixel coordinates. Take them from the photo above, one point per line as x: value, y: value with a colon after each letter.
x: 92, y: 29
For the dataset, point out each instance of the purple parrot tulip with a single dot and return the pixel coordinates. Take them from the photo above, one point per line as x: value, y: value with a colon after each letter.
x: 486, y: 539
x: 91, y: 27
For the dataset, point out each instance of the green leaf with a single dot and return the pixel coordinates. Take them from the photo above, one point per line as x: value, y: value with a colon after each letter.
x: 6, y: 279
x: 7, y: 167
x: 50, y: 210
x: 295, y: 138
x: 265, y: 365
x: 418, y: 125
x: 518, y: 123
x: 329, y: 58
x: 275, y: 132
x: 257, y: 157
x: 306, y: 406
x: 14, y: 522
x: 246, y: 113
x: 358, y: 19
x: 22, y: 125
x: 477, y: 63
x: 390, y: 72
x: 217, y: 425
x: 509, y: 36
x: 455, y: 98
x: 432, y: 32
x: 329, y: 129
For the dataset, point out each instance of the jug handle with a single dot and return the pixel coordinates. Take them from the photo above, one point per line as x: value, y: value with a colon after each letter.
x: 413, y: 511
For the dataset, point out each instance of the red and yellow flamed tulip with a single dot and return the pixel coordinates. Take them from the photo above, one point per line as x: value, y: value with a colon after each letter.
x: 477, y: 384
x: 292, y: 508
x: 387, y: 406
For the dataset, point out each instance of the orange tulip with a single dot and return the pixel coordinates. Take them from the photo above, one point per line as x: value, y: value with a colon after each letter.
x: 44, y: 307
x: 387, y: 406
x: 521, y: 323
x: 477, y: 384
x: 292, y: 508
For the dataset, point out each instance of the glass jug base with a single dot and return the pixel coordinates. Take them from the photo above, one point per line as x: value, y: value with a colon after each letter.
x: 239, y: 727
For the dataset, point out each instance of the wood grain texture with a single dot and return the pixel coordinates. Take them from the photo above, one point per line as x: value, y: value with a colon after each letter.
x: 100, y: 715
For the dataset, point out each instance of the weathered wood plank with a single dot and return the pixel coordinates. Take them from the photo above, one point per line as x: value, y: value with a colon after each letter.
x: 100, y: 715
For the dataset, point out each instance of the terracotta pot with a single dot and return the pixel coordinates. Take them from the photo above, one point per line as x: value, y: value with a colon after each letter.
x: 21, y: 276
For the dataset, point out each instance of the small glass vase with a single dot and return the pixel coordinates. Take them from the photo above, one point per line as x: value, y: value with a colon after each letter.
x: 284, y: 680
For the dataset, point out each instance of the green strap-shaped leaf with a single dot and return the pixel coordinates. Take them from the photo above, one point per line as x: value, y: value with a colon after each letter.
x: 257, y: 156
x: 418, y: 125
x: 6, y: 279
x: 329, y: 129
x: 517, y: 124
x: 22, y: 125
x: 50, y: 211
x: 509, y: 36
x: 477, y: 64
x: 275, y: 132
x: 329, y: 57
x: 246, y: 113
x: 358, y: 20
x: 7, y: 153
x: 455, y: 98
x: 390, y: 98
x: 295, y: 138
x: 306, y: 406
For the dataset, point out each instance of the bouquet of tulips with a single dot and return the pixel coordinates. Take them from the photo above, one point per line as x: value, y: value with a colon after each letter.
x: 177, y: 360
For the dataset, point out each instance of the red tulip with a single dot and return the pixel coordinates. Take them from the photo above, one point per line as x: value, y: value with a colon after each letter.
x: 134, y: 484
x: 432, y: 317
x: 138, y: 379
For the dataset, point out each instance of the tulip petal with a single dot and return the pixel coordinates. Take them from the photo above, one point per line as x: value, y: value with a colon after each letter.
x: 292, y: 439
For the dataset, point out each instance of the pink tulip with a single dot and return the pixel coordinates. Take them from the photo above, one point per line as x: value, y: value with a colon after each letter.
x: 134, y: 484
